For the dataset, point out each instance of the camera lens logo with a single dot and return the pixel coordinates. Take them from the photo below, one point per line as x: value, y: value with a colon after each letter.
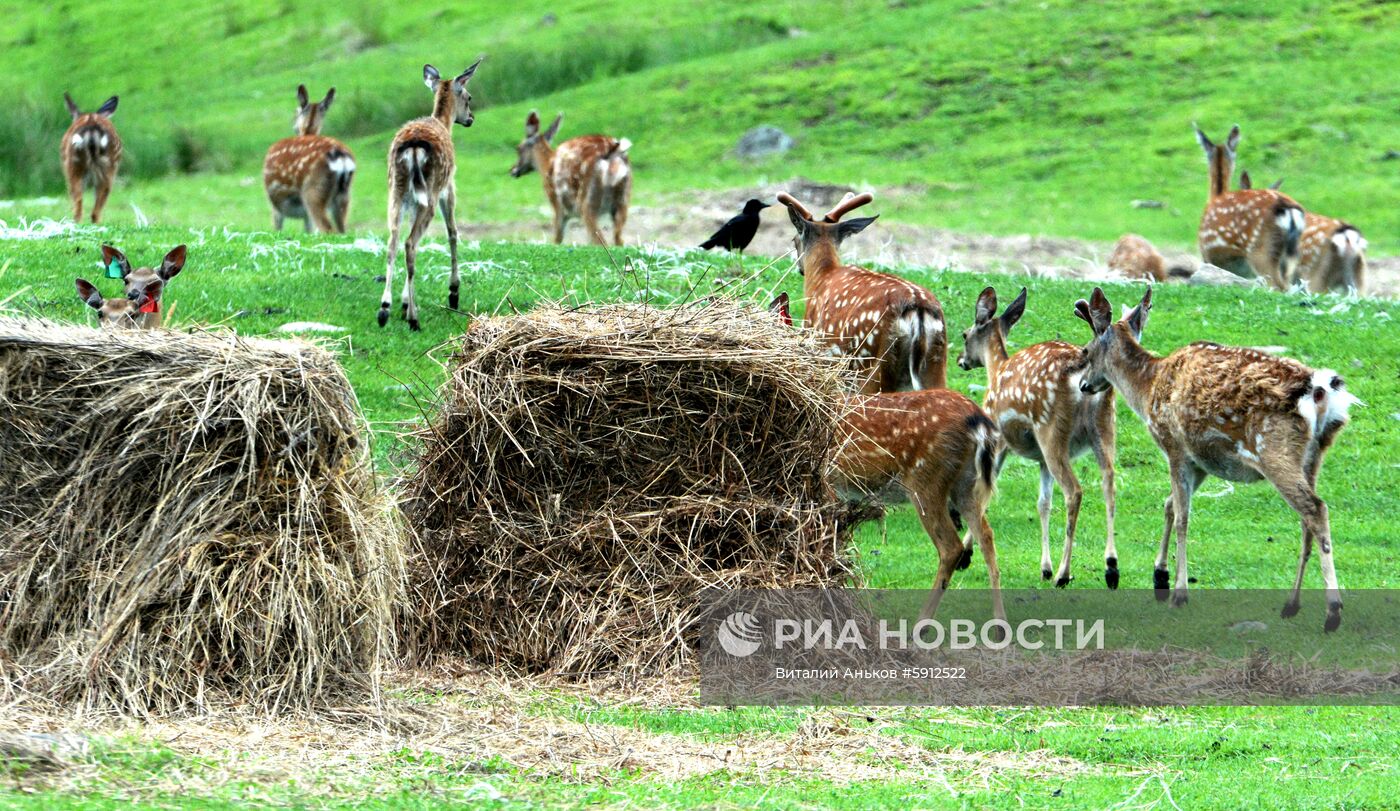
x: 739, y: 634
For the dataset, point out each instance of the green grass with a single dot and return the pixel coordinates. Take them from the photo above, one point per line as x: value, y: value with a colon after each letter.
x: 1044, y: 118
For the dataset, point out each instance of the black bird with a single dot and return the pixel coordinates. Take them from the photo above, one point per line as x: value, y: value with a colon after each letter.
x: 736, y: 234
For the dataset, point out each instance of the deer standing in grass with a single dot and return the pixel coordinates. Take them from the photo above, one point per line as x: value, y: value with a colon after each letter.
x: 1258, y: 229
x: 1035, y: 400
x: 91, y: 152
x: 893, y: 330
x: 585, y: 177
x: 143, y: 287
x: 422, y: 172
x: 938, y: 449
x: 1225, y: 411
x: 307, y: 177
x: 1331, y: 253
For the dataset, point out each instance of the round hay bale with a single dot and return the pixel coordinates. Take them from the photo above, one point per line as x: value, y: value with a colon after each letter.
x: 188, y: 520
x: 591, y: 471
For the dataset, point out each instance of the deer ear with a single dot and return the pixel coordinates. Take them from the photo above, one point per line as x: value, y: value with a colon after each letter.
x: 986, y: 306
x: 1233, y: 142
x: 798, y: 221
x: 431, y: 77
x: 72, y: 107
x: 1100, y: 311
x: 326, y: 102
x: 1081, y: 309
x: 532, y: 124
x: 554, y: 128
x: 1136, y: 318
x: 780, y: 308
x: 1244, y: 181
x: 849, y: 228
x: 302, y: 98
x: 108, y: 107
x: 89, y: 293
x: 173, y: 263
x: 466, y: 75
x: 110, y: 255
x: 1277, y: 184
x: 151, y: 292
x: 1014, y: 312
x: 1203, y: 140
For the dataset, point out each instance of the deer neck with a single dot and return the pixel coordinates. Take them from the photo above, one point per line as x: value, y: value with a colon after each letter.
x: 996, y: 356
x: 1133, y: 371
x: 445, y: 105
x: 1219, y: 173
x: 544, y: 161
x: 819, y: 257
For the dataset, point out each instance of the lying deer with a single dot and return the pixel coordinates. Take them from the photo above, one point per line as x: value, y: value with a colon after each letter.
x: 1136, y: 258
x: 121, y: 313
x: 1226, y: 411
x: 586, y: 177
x: 893, y: 330
x: 1258, y: 229
x: 91, y: 152
x: 1331, y: 253
x: 422, y: 170
x: 307, y: 177
x: 937, y: 448
x: 1034, y: 398
x: 143, y: 286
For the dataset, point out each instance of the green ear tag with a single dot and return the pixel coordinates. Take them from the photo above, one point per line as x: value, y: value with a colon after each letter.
x: 114, y: 270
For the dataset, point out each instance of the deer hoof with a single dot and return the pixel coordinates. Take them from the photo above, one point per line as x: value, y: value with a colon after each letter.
x: 413, y: 324
x: 965, y: 559
x: 1178, y: 598
x: 1161, y: 581
x: 1290, y: 609
x: 403, y: 310
x: 996, y: 633
x: 383, y: 317
x: 1110, y: 576
x: 452, y: 300
x: 1062, y: 581
x: 1334, y: 617
x: 1046, y: 574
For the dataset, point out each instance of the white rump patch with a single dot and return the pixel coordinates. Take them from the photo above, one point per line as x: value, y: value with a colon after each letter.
x: 1349, y: 242
x: 102, y: 140
x: 78, y: 140
x: 1335, y: 403
x: 341, y: 165
x: 622, y: 146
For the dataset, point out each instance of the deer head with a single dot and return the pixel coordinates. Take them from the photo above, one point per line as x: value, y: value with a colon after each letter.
x: 826, y: 234
x: 144, y: 284
x: 1113, y: 342
x: 311, y: 116
x: 988, y: 328
x: 108, y: 107
x: 455, y: 89
x: 525, y: 153
x: 1220, y: 158
x: 118, y: 313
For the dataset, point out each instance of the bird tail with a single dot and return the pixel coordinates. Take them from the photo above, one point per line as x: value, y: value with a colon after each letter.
x: 707, y: 244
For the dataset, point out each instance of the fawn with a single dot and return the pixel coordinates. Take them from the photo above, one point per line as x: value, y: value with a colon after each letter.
x: 893, y: 330
x: 307, y: 177
x: 585, y: 177
x: 1035, y: 400
x: 1225, y: 411
x: 1331, y: 253
x: 123, y: 312
x: 143, y: 286
x: 91, y: 152
x: 422, y: 169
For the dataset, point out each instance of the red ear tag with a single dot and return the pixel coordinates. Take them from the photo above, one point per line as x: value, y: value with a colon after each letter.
x: 151, y: 306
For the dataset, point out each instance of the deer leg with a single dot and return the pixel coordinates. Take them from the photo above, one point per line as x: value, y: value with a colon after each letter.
x: 341, y: 210
x: 410, y: 260
x: 315, y: 202
x: 1104, y: 452
x: 1047, y: 498
x: 619, y: 219
x: 99, y: 200
x: 976, y: 515
x: 395, y: 223
x: 1302, y: 497
x: 559, y: 222
x: 75, y: 195
x: 933, y: 514
x: 1063, y: 472
x: 1161, y: 580
x: 276, y: 219
x: 1186, y: 477
x: 448, y: 203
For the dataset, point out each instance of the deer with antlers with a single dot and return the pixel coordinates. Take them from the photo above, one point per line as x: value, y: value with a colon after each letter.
x: 91, y: 152
x: 1226, y: 411
x: 307, y: 177
x: 891, y: 329
x: 1035, y: 400
x: 422, y: 172
x: 585, y: 177
x: 1331, y: 253
x: 935, y: 447
x: 140, y: 306
x: 1252, y: 229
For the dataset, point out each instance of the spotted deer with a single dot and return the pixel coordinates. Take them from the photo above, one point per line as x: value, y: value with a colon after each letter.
x: 1331, y: 253
x: 422, y: 170
x: 1035, y: 400
x: 1136, y: 258
x: 1257, y: 229
x: 122, y: 312
x: 891, y: 329
x: 91, y: 152
x: 307, y: 177
x: 585, y: 177
x: 143, y: 286
x: 934, y: 447
x: 1226, y: 411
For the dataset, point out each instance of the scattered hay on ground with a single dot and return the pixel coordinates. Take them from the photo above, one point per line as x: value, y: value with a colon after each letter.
x: 188, y: 521
x: 591, y: 471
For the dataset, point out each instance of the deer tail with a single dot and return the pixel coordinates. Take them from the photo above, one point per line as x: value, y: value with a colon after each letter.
x: 342, y: 168
x: 1289, y: 218
x: 985, y: 437
x: 921, y: 327
x: 414, y: 155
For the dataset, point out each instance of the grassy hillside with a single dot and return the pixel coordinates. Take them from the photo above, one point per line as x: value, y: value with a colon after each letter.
x: 993, y: 116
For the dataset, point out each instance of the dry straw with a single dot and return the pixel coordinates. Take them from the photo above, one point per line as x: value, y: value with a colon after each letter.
x: 187, y: 520
x: 592, y: 470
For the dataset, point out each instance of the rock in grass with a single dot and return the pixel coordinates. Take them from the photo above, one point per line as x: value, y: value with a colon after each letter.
x: 763, y: 142
x: 309, y: 326
x: 1212, y: 275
